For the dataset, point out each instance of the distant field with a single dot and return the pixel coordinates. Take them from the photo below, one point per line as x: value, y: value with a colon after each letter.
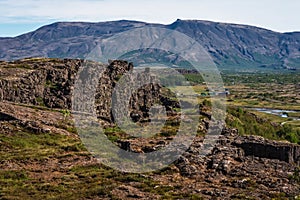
x: 258, y: 90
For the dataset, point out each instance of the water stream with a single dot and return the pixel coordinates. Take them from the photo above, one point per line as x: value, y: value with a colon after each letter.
x: 278, y: 112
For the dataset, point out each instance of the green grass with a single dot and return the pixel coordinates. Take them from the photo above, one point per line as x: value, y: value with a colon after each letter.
x: 291, y: 114
x: 254, y: 123
x: 88, y: 181
x: 77, y: 182
x: 82, y: 182
x: 24, y: 145
x: 40, y: 101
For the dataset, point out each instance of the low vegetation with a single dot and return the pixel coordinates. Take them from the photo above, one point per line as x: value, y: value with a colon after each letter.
x: 250, y: 124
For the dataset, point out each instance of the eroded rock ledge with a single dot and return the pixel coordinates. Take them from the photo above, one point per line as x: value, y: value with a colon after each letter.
x: 263, y: 148
x: 50, y: 83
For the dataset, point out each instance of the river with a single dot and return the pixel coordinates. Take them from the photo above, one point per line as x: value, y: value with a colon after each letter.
x: 278, y: 112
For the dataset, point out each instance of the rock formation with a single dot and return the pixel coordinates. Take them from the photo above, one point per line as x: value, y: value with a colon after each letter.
x: 33, y: 90
x: 50, y: 83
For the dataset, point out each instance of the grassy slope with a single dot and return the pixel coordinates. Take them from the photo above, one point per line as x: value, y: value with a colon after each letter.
x: 56, y: 166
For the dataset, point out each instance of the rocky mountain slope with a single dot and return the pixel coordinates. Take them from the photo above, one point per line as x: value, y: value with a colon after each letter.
x: 232, y: 46
x: 41, y: 155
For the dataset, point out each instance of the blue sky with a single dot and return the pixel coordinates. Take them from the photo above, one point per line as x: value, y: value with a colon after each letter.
x: 17, y: 17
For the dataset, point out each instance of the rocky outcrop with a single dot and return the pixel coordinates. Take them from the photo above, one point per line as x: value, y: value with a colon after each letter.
x: 109, y: 104
x: 232, y: 165
x: 46, y: 82
x: 6, y: 117
x: 50, y: 83
x: 263, y: 148
x: 230, y: 168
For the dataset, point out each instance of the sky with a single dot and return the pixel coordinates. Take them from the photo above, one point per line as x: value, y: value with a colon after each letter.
x: 18, y: 17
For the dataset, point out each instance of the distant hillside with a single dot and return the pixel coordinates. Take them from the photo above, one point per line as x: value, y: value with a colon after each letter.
x: 232, y: 46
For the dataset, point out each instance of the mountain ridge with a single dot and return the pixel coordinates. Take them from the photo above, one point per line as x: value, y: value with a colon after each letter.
x: 232, y: 46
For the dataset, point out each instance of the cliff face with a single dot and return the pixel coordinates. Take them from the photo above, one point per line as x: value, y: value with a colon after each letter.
x: 50, y: 83
x: 259, y: 147
x: 39, y: 82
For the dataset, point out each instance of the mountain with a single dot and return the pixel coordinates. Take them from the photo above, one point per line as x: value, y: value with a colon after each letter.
x: 232, y: 46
